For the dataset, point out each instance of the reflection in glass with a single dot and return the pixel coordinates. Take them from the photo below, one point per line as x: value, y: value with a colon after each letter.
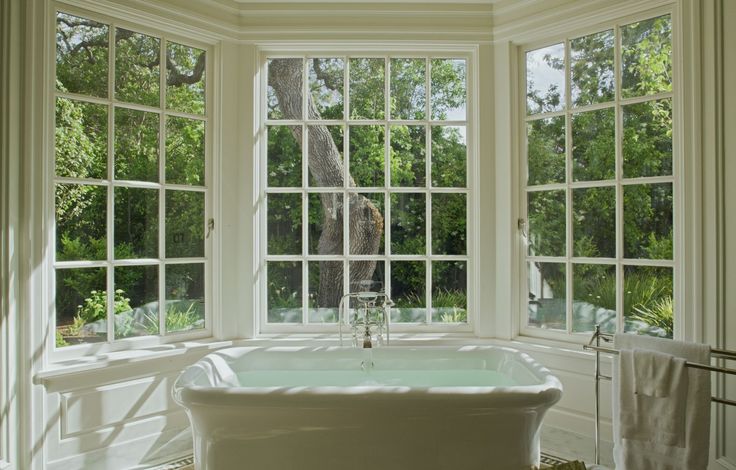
x: 449, y: 89
x: 136, y: 145
x: 284, y: 291
x: 546, y: 214
x: 284, y: 156
x: 81, y: 222
x: 594, y: 148
x: 408, y: 155
x: 284, y: 84
x: 449, y: 291
x: 367, y: 155
x: 408, y: 224
x: 408, y: 88
x: 449, y: 156
x: 136, y: 223
x: 325, y: 223
x: 648, y: 221
x: 185, y: 151
x: 647, y: 143
x: 284, y: 224
x: 185, y: 78
x: 648, y: 300
x: 545, y: 79
x: 547, y: 295
x: 646, y: 48
x: 326, y: 152
x: 594, y: 222
x: 545, y: 140
x: 408, y: 291
x: 80, y: 139
x: 81, y: 306
x: 591, y: 65
x: 594, y: 297
x: 137, y: 58
x: 184, y: 224
x: 139, y: 284
x: 81, y: 55
x: 325, y: 290
x: 185, y: 287
x: 326, y: 85
x: 449, y: 227
x: 366, y: 220
x: 367, y: 77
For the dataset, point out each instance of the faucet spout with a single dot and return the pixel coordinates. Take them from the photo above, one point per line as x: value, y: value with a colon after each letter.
x: 367, y: 341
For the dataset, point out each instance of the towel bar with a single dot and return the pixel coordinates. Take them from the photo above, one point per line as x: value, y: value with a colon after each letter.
x: 597, y: 336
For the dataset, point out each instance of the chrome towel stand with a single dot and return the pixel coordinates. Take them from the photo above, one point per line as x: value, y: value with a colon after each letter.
x: 598, y: 336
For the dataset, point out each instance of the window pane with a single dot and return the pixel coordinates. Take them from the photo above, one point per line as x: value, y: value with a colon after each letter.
x: 646, y: 48
x: 546, y: 214
x: 448, y: 224
x: 449, y: 91
x: 185, y: 78
x: 81, y: 222
x: 547, y: 295
x: 284, y: 291
x: 185, y: 308
x: 284, y: 156
x: 367, y: 91
x: 284, y: 224
x: 648, y: 221
x: 185, y: 151
x: 367, y: 155
x: 370, y: 273
x: 139, y: 286
x: 594, y: 222
x: 81, y: 139
x: 408, y: 88
x: 137, y: 58
x: 326, y: 83
x: 449, y: 292
x: 325, y: 224
x: 184, y: 224
x: 284, y: 94
x: 408, y: 155
x: 545, y: 140
x: 545, y: 79
x: 81, y: 306
x: 594, y: 148
x: 81, y: 55
x: 449, y: 154
x: 326, y: 156
x: 647, y: 143
x: 136, y: 223
x: 591, y: 64
x: 408, y: 291
x: 648, y: 300
x: 367, y: 224
x: 136, y: 145
x: 325, y: 290
x: 408, y: 224
x: 594, y: 297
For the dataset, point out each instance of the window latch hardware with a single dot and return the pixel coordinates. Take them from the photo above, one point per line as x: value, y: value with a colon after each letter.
x: 521, y: 224
x: 210, y: 227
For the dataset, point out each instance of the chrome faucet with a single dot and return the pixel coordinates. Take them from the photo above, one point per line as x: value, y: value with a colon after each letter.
x: 370, y: 319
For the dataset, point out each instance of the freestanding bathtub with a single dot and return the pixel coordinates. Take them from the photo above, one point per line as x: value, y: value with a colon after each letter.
x: 392, y: 408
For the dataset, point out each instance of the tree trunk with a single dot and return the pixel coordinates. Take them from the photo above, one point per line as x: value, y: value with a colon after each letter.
x: 327, y: 169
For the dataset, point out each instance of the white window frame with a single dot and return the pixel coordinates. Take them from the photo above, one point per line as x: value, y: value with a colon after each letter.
x: 164, y: 34
x: 677, y: 179
x: 384, y: 51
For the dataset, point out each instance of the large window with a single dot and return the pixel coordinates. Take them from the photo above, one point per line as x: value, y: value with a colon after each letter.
x: 365, y: 185
x: 600, y: 181
x: 130, y: 183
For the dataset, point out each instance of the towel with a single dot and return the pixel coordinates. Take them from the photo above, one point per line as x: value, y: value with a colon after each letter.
x: 667, y: 432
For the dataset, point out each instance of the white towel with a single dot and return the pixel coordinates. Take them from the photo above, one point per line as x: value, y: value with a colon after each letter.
x: 645, y: 426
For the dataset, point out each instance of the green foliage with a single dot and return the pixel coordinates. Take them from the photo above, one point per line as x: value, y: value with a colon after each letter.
x: 177, y: 319
x: 95, y: 306
x: 60, y: 341
x: 658, y: 313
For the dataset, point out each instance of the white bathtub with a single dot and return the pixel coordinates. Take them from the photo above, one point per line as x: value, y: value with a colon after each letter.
x: 417, y: 408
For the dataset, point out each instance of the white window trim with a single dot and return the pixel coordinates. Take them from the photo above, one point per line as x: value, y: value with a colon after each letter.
x: 378, y: 50
x: 681, y: 256
x: 164, y: 32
